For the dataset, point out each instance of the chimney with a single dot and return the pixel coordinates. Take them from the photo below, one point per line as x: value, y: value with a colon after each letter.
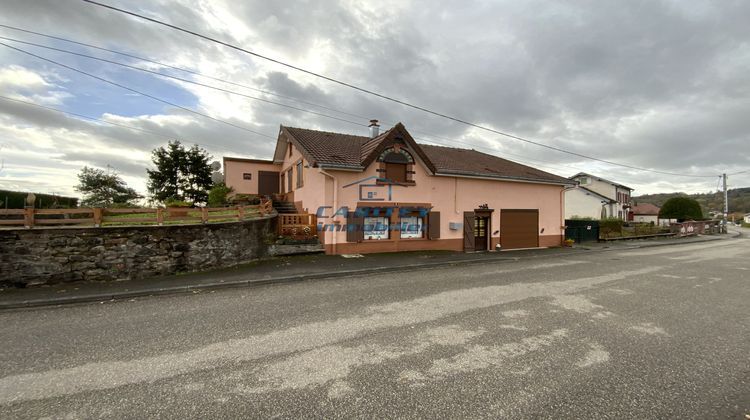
x: 374, y: 129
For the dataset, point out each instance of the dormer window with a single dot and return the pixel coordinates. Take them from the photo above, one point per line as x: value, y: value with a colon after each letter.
x: 396, y: 165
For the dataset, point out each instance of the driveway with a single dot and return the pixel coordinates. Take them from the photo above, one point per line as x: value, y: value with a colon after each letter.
x: 641, y: 333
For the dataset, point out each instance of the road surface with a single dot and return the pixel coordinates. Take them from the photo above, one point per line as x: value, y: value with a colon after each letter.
x: 643, y: 333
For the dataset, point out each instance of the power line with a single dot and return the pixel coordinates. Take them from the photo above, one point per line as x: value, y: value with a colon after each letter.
x: 181, y: 80
x: 551, y: 165
x: 136, y: 91
x: 382, y: 96
x: 130, y: 127
x: 162, y: 64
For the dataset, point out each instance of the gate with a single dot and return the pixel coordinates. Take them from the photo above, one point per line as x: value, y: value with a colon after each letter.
x: 582, y: 230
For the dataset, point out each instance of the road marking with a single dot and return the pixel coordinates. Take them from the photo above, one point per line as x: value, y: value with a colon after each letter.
x: 111, y: 374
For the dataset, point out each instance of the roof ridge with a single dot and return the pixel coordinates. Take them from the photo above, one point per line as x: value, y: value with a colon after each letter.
x: 325, y: 132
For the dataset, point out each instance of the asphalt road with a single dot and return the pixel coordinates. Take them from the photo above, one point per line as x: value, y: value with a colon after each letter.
x: 647, y: 333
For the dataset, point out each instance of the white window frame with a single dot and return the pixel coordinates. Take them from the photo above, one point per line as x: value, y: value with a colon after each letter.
x: 375, y: 228
x: 408, y: 223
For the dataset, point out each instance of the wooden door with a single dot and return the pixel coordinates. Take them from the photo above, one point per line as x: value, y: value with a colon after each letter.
x: 481, y: 232
x: 468, y: 231
x: 268, y: 182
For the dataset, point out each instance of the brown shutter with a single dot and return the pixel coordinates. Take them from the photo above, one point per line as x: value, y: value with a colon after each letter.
x: 469, y: 231
x: 354, y: 225
x: 433, y: 225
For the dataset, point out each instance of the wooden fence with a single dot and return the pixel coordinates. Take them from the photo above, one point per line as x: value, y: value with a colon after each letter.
x: 96, y: 217
x: 298, y: 225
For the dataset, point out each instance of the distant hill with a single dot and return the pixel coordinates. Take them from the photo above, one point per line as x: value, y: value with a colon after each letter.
x: 739, y: 200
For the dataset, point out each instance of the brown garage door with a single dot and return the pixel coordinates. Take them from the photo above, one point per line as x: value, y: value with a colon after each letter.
x: 519, y: 229
x: 268, y: 182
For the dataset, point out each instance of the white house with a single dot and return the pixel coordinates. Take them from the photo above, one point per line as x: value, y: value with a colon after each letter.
x: 747, y: 218
x: 597, y: 198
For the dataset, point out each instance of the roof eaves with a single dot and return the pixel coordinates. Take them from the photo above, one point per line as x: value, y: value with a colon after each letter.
x: 561, y: 181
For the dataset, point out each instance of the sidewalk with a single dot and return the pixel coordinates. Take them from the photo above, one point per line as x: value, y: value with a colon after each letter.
x: 294, y: 268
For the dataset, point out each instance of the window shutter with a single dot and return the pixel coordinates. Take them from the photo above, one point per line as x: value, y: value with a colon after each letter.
x: 433, y: 225
x: 469, y: 231
x: 354, y: 232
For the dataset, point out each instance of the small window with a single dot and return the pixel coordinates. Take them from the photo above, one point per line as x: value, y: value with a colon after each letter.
x: 412, y: 227
x: 299, y: 174
x: 289, y: 180
x: 290, y: 149
x: 375, y: 228
x: 283, y: 184
x: 584, y: 180
x: 247, y: 176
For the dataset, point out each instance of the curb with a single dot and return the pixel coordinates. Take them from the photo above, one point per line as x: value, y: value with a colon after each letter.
x: 102, y: 297
x: 173, y: 290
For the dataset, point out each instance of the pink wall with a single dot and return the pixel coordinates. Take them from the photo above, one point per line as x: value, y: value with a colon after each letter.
x: 234, y: 170
x: 451, y: 196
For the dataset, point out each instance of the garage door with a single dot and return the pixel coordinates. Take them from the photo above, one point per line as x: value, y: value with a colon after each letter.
x: 519, y: 228
x: 268, y: 182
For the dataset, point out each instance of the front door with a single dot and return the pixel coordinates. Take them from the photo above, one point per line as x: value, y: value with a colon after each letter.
x: 481, y: 226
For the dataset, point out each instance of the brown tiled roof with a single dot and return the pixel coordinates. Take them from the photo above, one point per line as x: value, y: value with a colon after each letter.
x: 645, y: 208
x: 450, y: 160
x: 330, y: 148
x: 336, y: 149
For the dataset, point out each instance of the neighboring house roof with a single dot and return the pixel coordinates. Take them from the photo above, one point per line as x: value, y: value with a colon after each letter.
x: 237, y: 159
x: 601, y: 179
x: 346, y: 151
x: 646, y: 209
x: 592, y: 192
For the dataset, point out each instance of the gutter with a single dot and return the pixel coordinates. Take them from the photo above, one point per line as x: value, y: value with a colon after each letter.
x: 335, y: 205
x: 503, y: 178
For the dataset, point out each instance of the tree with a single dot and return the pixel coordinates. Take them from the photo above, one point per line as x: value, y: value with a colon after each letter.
x: 102, y: 188
x: 181, y: 174
x: 681, y: 208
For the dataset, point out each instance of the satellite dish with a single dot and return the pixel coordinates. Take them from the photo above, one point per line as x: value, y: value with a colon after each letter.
x: 215, y: 165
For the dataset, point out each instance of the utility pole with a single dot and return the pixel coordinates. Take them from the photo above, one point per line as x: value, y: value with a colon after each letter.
x: 726, y: 198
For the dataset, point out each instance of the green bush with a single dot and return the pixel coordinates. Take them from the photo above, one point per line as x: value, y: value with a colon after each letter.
x: 177, y: 203
x: 217, y: 195
x: 244, y: 199
x: 610, y: 225
x: 681, y: 208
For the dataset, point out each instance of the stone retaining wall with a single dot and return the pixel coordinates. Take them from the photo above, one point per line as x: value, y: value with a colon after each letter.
x: 53, y: 255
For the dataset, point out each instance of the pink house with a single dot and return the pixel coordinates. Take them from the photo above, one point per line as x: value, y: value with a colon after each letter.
x: 387, y: 193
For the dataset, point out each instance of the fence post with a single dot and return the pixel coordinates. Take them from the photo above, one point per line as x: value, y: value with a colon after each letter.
x: 240, y: 212
x: 204, y: 215
x: 97, y: 216
x: 159, y: 216
x: 28, y: 217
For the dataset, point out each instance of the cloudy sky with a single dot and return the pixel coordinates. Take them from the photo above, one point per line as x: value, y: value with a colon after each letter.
x: 656, y: 84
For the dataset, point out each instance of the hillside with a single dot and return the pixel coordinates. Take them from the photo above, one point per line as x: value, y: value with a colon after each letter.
x: 739, y: 200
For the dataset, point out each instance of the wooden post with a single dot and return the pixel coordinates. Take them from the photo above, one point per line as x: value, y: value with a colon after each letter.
x: 240, y: 212
x: 159, y: 216
x: 97, y: 216
x: 204, y: 215
x: 28, y: 217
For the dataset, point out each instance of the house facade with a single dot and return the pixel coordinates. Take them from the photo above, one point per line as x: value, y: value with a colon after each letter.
x: 597, y: 198
x: 645, y: 213
x: 386, y: 193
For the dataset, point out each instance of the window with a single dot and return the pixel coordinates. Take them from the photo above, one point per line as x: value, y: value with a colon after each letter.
x: 583, y: 180
x: 411, y: 227
x: 299, y: 174
x: 283, y: 184
x: 247, y: 176
x: 395, y: 166
x: 290, y: 149
x: 375, y: 228
x: 289, y: 180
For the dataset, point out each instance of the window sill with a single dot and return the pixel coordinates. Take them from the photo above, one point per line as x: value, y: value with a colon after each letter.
x: 405, y: 184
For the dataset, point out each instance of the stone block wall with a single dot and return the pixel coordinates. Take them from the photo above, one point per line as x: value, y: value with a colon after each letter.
x: 52, y: 255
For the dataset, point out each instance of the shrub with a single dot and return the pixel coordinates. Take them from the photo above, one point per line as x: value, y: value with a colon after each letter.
x: 217, y: 195
x: 681, y: 208
x: 610, y: 225
x: 177, y: 203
